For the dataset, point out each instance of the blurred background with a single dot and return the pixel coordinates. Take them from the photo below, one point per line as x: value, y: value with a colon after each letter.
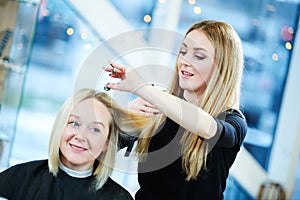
x: 44, y: 45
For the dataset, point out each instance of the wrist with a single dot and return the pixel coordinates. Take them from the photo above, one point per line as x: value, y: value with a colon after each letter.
x: 141, y: 87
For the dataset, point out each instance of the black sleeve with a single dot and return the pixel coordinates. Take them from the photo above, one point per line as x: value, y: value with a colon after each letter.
x: 231, y: 131
x: 114, y: 191
x: 126, y: 142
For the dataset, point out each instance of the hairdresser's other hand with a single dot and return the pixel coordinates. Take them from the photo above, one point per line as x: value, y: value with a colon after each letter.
x: 140, y: 106
x: 130, y: 80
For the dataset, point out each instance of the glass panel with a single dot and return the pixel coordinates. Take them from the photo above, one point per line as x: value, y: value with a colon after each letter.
x: 14, y: 68
x: 62, y: 41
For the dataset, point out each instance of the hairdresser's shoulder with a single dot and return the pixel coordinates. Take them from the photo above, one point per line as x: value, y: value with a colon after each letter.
x: 115, y: 191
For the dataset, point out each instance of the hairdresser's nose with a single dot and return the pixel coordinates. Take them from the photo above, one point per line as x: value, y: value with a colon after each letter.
x: 186, y: 63
x: 185, y: 60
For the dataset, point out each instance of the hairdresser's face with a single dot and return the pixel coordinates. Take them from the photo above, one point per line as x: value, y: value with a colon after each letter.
x: 195, y: 62
x: 86, y: 135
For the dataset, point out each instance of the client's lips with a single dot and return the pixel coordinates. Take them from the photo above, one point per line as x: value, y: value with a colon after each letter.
x: 78, y: 148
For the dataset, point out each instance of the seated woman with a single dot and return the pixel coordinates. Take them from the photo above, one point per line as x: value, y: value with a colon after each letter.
x: 82, y: 151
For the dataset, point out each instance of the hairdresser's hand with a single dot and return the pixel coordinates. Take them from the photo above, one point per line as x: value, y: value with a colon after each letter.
x: 140, y: 106
x: 130, y: 80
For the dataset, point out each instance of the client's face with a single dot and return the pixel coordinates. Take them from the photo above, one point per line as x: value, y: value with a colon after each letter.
x: 86, y: 135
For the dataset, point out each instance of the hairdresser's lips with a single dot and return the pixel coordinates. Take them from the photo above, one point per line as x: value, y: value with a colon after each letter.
x: 186, y: 75
x: 77, y: 148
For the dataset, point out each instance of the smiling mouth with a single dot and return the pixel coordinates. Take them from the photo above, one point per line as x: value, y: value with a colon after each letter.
x: 186, y: 74
x: 78, y: 148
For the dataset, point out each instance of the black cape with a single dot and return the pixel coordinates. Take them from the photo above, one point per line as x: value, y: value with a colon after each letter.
x: 32, y: 181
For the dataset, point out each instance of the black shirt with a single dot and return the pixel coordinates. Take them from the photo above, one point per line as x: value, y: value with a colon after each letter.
x: 33, y: 181
x: 161, y: 176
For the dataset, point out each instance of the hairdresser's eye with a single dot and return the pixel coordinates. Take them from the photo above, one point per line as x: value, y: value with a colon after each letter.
x: 182, y: 52
x: 74, y: 124
x: 199, y: 57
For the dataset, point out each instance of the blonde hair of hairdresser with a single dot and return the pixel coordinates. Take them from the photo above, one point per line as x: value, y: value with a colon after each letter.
x: 120, y: 118
x: 222, y: 92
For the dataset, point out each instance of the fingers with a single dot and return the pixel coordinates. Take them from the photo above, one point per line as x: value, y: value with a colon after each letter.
x: 129, y: 79
x: 147, y: 104
x: 114, y: 68
x: 117, y: 68
x: 108, y: 68
x: 143, y: 107
x: 150, y: 111
x: 110, y: 86
x: 148, y: 114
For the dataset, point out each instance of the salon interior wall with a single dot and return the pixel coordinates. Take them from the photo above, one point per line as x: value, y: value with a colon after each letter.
x: 286, y: 149
x: 134, y: 50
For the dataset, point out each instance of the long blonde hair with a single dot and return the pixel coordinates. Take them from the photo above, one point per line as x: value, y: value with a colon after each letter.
x: 121, y: 122
x: 222, y: 92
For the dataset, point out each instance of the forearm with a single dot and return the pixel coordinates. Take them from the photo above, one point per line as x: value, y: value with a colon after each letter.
x: 188, y: 115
